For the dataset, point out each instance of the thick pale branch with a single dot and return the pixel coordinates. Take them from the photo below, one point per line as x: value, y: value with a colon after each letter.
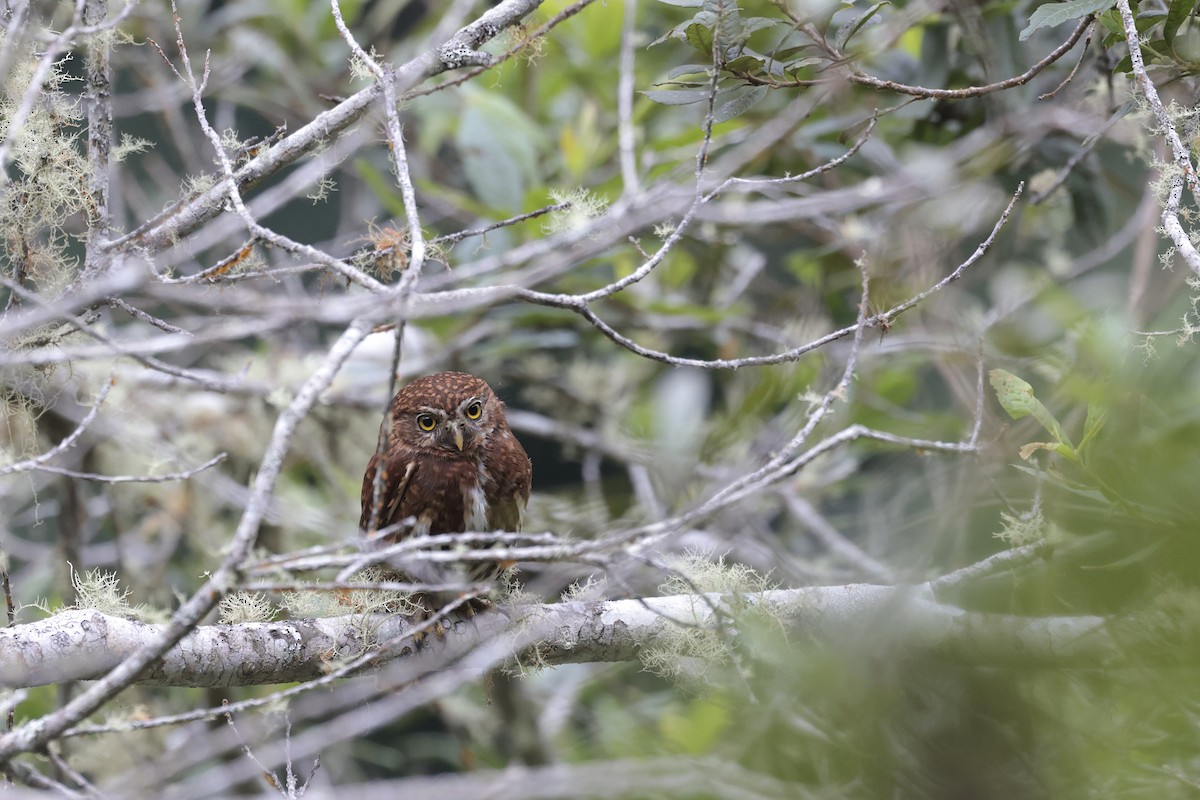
x: 163, y: 639
x: 85, y: 644
x: 663, y: 777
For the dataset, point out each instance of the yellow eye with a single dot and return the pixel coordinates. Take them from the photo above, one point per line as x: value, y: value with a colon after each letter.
x: 426, y: 422
x: 475, y: 410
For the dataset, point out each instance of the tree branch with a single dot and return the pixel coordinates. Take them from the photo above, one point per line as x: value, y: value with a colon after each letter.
x: 460, y: 50
x: 86, y: 644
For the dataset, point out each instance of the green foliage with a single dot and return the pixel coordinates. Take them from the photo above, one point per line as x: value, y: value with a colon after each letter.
x: 1178, y: 12
x: 501, y: 149
x: 1169, y: 38
x: 1116, y: 505
x: 1048, y: 15
x: 856, y: 718
x: 1017, y: 398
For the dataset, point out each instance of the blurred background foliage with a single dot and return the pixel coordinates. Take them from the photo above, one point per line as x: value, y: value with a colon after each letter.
x: 1072, y: 298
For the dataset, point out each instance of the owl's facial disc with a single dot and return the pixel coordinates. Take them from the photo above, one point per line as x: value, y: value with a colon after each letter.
x: 454, y: 435
x: 457, y: 431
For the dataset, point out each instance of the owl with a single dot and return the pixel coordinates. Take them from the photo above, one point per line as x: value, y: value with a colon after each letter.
x: 450, y: 463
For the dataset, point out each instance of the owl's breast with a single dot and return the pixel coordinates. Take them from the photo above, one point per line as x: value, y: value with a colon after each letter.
x: 475, y: 501
x: 448, y: 496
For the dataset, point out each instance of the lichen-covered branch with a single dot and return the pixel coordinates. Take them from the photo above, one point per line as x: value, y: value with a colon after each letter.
x: 84, y: 644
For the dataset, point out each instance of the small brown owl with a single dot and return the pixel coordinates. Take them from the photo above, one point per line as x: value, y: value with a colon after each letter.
x: 451, y: 463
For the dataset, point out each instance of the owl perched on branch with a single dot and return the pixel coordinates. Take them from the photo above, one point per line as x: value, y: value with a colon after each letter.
x: 449, y: 462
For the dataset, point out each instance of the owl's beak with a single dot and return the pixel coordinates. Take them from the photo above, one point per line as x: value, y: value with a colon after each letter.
x: 458, y: 438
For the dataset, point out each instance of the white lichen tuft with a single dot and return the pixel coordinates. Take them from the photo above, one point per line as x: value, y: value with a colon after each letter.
x: 704, y: 571
x: 47, y: 170
x: 510, y: 591
x: 246, y: 607
x: 1028, y: 528
x: 128, y: 146
x: 591, y: 589
x: 101, y: 591
x: 360, y: 70
x: 318, y: 602
x: 689, y: 654
x: 581, y: 208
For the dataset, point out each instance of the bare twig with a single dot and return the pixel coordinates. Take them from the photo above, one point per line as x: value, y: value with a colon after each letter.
x: 451, y: 238
x: 977, y: 91
x: 180, y: 221
x: 137, y: 313
x: 1000, y: 562
x: 835, y: 541
x: 167, y: 477
x: 98, y: 105
x: 39, y: 462
x: 579, y: 304
x: 1071, y: 75
x: 1181, y: 155
x: 857, y: 76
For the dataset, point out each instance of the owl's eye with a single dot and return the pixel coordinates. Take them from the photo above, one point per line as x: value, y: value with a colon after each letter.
x: 475, y: 410
x: 426, y: 422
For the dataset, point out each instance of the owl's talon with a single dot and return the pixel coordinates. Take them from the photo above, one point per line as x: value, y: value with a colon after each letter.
x: 474, y: 605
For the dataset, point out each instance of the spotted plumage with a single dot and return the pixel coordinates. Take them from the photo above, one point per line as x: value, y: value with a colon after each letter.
x: 450, y: 463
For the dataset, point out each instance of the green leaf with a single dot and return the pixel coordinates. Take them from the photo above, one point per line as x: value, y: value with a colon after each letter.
x: 791, y: 52
x: 741, y: 102
x: 500, y: 147
x: 801, y: 70
x: 854, y: 26
x: 700, y: 37
x: 1111, y: 22
x: 1178, y: 11
x: 1055, y: 478
x: 1017, y: 398
x: 751, y: 64
x: 1147, y: 20
x: 753, y: 24
x: 689, y: 69
x: 728, y: 28
x: 677, y: 97
x: 1015, y: 395
x: 1028, y: 450
x: 1051, y: 14
x: 675, y: 33
x: 1097, y: 415
x: 1187, y: 48
x: 1133, y: 558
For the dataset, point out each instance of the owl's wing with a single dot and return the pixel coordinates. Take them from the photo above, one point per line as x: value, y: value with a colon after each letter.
x: 507, y: 513
x: 506, y: 510
x: 394, y: 484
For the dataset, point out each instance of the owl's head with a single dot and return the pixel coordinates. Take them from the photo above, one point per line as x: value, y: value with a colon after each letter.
x: 450, y: 412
